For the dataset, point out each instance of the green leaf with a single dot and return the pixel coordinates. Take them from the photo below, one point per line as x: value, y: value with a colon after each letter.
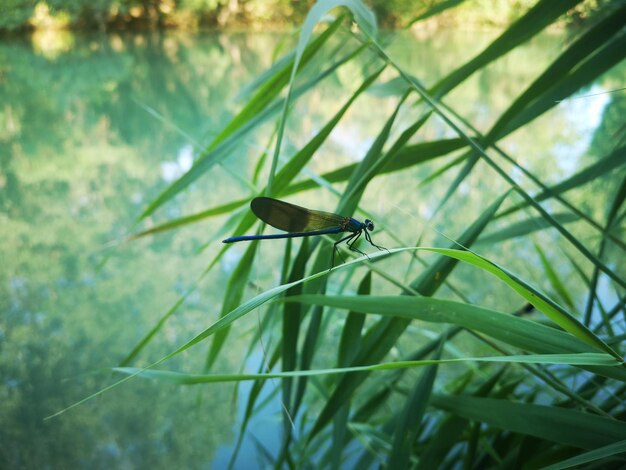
x: 554, y: 278
x: 518, y: 332
x: 436, y: 9
x: 596, y: 359
x: 542, y: 303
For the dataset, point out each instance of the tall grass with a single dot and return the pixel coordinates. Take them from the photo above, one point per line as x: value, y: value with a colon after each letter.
x: 548, y: 393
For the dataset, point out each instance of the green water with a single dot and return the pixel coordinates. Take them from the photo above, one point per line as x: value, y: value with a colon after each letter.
x: 94, y: 127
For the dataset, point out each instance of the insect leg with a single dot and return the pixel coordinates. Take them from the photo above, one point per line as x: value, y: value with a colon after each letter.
x: 353, y: 248
x: 368, y: 237
x: 332, y: 260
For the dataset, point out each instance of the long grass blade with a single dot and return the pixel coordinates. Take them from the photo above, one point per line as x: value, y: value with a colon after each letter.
x: 517, y: 332
x: 580, y: 359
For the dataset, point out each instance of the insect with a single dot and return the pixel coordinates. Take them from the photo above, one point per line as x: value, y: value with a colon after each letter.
x: 301, y: 222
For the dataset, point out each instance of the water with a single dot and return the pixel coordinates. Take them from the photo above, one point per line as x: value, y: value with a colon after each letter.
x: 92, y: 128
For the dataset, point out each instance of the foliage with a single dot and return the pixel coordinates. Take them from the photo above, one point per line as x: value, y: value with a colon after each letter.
x: 14, y: 14
x: 359, y: 388
x: 124, y: 14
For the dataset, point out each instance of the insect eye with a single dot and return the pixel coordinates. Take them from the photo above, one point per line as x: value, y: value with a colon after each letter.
x: 370, y: 225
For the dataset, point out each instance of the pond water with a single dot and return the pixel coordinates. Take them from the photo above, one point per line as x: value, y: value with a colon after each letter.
x: 92, y: 128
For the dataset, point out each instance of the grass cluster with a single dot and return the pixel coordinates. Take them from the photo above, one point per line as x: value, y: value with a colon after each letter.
x: 549, y: 393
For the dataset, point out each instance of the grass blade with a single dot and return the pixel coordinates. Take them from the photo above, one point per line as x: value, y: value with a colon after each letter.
x: 518, y: 332
x: 580, y: 359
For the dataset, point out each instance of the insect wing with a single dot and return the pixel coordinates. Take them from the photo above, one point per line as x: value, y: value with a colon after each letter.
x: 292, y: 218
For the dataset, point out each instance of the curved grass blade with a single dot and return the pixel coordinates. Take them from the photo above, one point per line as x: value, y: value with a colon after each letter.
x: 260, y: 299
x: 434, y: 10
x: 518, y: 332
x: 180, y: 378
x: 552, y: 310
